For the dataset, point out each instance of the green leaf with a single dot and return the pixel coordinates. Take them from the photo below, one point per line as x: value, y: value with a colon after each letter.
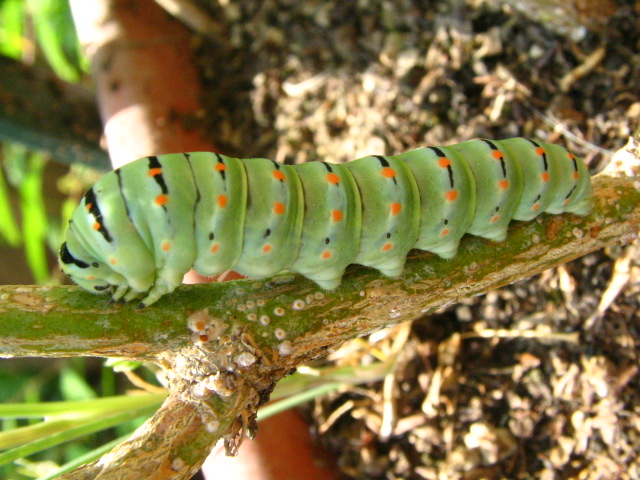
x: 12, y: 41
x: 35, y: 223
x: 74, y: 386
x: 121, y: 364
x: 56, y: 36
x: 8, y: 225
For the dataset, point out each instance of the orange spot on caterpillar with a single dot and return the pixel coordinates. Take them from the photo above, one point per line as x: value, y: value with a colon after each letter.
x: 495, y: 218
x: 535, y: 207
x: 571, y: 156
x: 451, y: 195
x: 566, y: 202
x: 96, y: 226
x: 278, y: 175
x: 89, y: 206
x: 497, y: 154
x: 154, y: 171
x: 166, y: 246
x: 91, y: 277
x: 222, y: 201
x: 444, y: 162
x: 220, y: 167
x: 388, y: 172
x: 545, y: 176
x: 396, y: 208
x: 266, y: 248
x: 540, y: 151
x: 326, y: 255
x: 576, y: 175
x: 336, y: 215
x: 333, y: 178
x: 214, y: 248
x: 113, y: 261
x: 279, y: 208
x: 387, y: 246
x: 161, y: 200
x: 503, y: 184
x: 445, y: 232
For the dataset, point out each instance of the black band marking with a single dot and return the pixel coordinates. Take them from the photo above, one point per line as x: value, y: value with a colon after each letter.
x: 67, y: 258
x: 384, y: 163
x: 502, y: 162
x: 195, y: 185
x: 222, y: 172
x: 441, y: 154
x: 544, y: 154
x: 124, y: 199
x: 159, y: 178
x: 92, y: 204
x: 571, y: 191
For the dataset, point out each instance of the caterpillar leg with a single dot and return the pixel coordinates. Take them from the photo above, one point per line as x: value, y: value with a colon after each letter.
x: 327, y: 282
x: 392, y: 269
x: 448, y: 250
x: 120, y: 292
x: 131, y: 294
x: 160, y: 288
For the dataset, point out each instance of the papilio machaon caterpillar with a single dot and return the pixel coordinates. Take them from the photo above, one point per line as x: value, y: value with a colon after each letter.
x: 140, y: 228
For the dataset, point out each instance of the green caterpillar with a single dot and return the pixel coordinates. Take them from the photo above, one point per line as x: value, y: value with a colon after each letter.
x: 140, y: 228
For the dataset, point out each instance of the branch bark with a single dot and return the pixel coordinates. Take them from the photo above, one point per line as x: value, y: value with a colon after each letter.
x: 218, y: 378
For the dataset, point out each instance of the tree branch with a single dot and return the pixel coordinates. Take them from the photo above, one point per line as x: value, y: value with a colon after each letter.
x: 218, y: 380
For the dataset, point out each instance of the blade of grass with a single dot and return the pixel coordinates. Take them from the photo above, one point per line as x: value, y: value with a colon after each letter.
x: 32, y: 433
x: 295, y: 400
x: 343, y: 375
x: 98, y: 405
x: 82, y: 459
x: 54, y: 439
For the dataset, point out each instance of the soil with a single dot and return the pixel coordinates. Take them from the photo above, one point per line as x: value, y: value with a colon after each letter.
x: 535, y: 380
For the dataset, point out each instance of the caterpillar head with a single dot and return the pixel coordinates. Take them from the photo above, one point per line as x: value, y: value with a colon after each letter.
x: 89, y: 273
x: 117, y: 274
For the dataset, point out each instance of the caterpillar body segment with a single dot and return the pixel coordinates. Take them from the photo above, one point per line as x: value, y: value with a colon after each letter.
x: 141, y: 227
x: 220, y: 211
x: 390, y: 212
x: 332, y: 223
x: 273, y: 222
x: 447, y: 197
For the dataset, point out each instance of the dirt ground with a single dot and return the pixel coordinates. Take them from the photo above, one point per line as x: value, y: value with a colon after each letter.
x: 536, y: 380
